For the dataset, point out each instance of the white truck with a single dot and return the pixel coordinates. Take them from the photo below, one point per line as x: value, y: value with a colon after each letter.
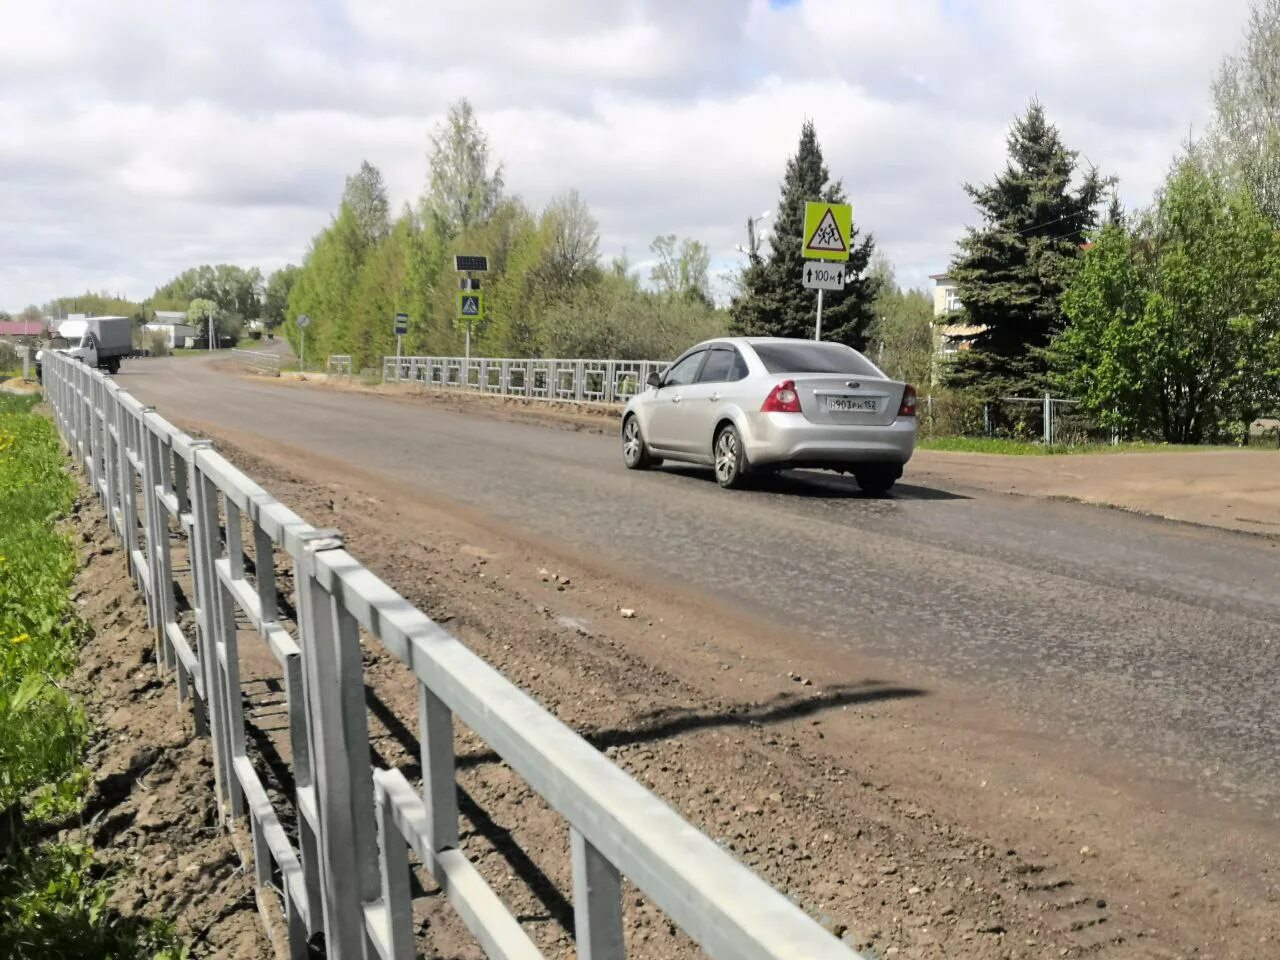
x: 98, y: 341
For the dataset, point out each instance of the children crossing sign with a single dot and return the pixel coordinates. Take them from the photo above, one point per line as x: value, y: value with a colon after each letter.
x: 470, y: 305
x: 827, y: 228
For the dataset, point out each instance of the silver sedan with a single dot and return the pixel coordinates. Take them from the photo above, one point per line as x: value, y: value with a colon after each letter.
x: 744, y: 404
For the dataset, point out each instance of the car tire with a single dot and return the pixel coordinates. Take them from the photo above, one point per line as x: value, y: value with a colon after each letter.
x: 113, y: 366
x: 730, y: 461
x: 877, y: 480
x: 635, y: 452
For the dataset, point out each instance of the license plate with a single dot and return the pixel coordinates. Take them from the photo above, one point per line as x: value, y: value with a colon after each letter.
x: 851, y: 405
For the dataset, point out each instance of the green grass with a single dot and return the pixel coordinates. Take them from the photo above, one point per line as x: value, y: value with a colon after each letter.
x: 1025, y: 448
x: 41, y: 731
x: 52, y: 897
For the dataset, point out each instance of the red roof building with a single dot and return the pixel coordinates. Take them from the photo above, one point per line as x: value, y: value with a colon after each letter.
x: 23, y: 328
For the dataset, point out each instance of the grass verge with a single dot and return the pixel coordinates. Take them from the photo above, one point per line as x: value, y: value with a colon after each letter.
x: 53, y: 898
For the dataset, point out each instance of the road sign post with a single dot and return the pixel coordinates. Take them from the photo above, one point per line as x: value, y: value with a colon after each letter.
x: 470, y: 303
x: 303, y: 322
x: 401, y: 328
x: 828, y: 229
x: 470, y: 308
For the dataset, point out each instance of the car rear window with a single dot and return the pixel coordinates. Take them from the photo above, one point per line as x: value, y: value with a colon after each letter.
x: 813, y: 358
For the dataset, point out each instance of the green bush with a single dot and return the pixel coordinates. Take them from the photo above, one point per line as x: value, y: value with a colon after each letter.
x: 949, y: 413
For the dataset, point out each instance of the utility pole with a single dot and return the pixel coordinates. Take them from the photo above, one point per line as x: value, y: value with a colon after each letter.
x: 209, y: 316
x: 817, y: 330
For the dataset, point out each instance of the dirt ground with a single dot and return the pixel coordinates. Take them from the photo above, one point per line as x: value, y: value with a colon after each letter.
x: 151, y: 812
x: 1231, y: 489
x: 910, y: 827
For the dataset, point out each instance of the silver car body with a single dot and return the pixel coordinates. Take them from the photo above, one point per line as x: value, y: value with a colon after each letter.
x: 680, y: 421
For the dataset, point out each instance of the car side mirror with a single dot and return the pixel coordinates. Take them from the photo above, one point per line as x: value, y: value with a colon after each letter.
x: 654, y: 380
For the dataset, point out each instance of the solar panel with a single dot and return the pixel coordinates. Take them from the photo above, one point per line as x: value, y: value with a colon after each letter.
x: 467, y: 263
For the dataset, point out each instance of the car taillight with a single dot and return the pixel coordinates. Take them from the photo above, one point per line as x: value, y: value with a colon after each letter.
x: 908, y: 407
x: 782, y: 399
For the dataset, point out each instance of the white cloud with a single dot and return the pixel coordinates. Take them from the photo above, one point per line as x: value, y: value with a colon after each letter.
x: 142, y: 137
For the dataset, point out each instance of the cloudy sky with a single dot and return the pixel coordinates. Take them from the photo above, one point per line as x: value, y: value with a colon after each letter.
x: 139, y: 137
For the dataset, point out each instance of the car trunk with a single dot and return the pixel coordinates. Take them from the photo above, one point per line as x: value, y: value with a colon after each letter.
x: 844, y: 399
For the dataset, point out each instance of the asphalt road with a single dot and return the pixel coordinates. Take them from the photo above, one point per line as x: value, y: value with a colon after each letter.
x: 1120, y: 635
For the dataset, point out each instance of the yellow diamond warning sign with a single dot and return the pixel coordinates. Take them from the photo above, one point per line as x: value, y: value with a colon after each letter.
x: 827, y: 227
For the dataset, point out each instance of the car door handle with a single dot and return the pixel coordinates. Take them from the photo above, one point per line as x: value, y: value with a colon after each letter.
x: 675, y: 399
x: 714, y: 397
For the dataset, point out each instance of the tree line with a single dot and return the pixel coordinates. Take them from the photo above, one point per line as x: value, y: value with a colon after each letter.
x: 546, y: 291
x: 1165, y: 322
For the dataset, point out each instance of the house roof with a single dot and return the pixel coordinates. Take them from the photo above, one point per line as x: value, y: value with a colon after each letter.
x: 939, y: 276
x: 22, y: 328
x: 166, y: 322
x: 171, y: 316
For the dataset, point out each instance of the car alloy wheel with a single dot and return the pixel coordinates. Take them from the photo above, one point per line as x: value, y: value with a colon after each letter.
x: 728, y: 457
x: 633, y: 452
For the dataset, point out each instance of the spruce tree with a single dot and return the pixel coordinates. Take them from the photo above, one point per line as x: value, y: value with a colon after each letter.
x: 1011, y: 271
x: 773, y: 303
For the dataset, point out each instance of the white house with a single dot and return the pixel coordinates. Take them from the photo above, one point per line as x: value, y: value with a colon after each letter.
x: 951, y: 337
x: 173, y: 324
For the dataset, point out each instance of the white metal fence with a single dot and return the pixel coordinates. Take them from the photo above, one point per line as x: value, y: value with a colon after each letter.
x: 337, y: 852
x: 577, y: 381
x: 262, y: 360
x: 339, y: 365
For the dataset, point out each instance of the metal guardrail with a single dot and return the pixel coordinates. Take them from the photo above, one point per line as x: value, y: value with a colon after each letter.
x: 258, y: 359
x: 342, y: 859
x: 573, y: 381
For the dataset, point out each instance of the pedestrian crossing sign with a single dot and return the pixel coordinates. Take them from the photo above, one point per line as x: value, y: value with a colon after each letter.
x: 470, y: 306
x: 827, y: 230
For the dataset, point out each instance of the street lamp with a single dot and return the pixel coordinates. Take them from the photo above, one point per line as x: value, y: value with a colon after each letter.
x: 753, y: 241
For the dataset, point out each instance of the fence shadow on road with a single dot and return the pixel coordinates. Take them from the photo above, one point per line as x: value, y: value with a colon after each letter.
x: 658, y: 724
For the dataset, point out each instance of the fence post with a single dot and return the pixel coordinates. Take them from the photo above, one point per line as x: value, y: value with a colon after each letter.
x: 1048, y: 419
x: 397, y: 898
x: 597, y: 902
x: 986, y: 419
x: 158, y: 484
x: 333, y: 686
x: 210, y: 626
x: 439, y: 784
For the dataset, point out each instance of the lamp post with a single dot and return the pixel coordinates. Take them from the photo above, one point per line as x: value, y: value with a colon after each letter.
x: 752, y: 249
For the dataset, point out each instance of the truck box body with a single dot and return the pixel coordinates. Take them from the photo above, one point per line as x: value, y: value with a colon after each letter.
x: 114, y: 335
x: 98, y: 341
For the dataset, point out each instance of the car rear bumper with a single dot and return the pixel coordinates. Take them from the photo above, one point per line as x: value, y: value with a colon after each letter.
x: 785, y: 438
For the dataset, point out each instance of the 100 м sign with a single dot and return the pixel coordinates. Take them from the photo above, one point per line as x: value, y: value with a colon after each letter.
x: 823, y: 276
